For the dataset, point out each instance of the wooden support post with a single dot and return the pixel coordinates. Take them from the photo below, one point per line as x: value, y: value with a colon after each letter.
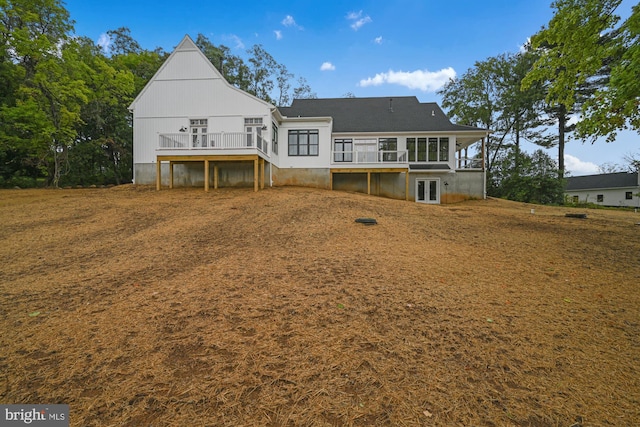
x: 368, y: 182
x: 255, y: 175
x: 215, y: 176
x: 170, y: 174
x: 158, y: 175
x: 331, y: 180
x: 261, y: 173
x: 406, y: 185
x: 206, y: 175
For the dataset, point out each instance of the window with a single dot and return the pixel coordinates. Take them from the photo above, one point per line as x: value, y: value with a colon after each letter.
x: 411, y: 149
x: 389, y: 148
x: 303, y: 142
x: 252, y: 124
x: 198, y: 130
x: 342, y: 150
x: 576, y: 199
x: 628, y: 195
x: 428, y: 149
x: 600, y: 198
x: 444, y: 149
x: 274, y: 138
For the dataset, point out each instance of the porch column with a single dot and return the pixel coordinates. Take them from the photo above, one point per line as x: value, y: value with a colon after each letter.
x: 206, y: 175
x: 255, y: 175
x: 170, y: 174
x: 368, y: 182
x: 158, y: 174
x: 406, y: 185
x: 215, y: 176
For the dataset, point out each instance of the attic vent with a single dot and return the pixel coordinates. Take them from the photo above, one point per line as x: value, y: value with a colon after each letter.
x: 433, y: 113
x: 391, y: 105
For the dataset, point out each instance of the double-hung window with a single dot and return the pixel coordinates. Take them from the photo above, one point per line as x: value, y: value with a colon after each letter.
x: 303, y: 142
x: 342, y: 150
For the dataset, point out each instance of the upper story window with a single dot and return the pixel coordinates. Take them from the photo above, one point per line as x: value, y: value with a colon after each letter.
x: 303, y: 142
x: 428, y: 149
x: 343, y: 150
x: 389, y: 149
x: 251, y: 125
x: 274, y: 138
x: 198, y: 131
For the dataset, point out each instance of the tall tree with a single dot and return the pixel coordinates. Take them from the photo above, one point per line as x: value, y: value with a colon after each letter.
x: 571, y: 52
x: 615, y: 105
x: 262, y: 70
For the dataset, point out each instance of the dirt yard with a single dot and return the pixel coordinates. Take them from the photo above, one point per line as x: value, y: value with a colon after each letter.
x: 234, y: 308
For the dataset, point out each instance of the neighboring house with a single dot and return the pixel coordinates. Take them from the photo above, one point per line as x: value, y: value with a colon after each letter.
x: 609, y: 189
x: 192, y: 128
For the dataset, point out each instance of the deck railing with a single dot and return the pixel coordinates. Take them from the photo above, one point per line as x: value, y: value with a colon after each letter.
x: 360, y: 157
x: 468, y: 163
x: 212, y: 141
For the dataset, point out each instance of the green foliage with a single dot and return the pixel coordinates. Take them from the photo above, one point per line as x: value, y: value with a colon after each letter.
x: 535, y: 180
x: 64, y: 101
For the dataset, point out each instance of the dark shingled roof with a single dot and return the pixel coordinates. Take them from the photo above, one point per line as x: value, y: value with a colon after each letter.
x: 383, y: 114
x: 605, y: 180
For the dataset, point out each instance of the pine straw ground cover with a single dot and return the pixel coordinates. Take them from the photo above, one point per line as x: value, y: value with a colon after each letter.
x: 234, y: 308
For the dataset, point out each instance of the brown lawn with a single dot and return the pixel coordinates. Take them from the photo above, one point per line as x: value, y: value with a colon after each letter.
x: 234, y: 308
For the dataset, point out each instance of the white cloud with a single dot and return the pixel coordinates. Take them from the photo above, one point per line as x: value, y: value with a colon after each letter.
x: 288, y: 21
x: 425, y: 80
x: 327, y: 66
x: 278, y: 34
x: 236, y: 40
x: 577, y: 167
x: 358, y: 19
x: 378, y: 40
x: 104, y: 41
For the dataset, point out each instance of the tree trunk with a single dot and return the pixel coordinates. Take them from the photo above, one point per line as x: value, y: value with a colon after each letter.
x: 562, y: 122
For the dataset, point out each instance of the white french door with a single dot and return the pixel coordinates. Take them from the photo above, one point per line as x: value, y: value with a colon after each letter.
x: 428, y: 190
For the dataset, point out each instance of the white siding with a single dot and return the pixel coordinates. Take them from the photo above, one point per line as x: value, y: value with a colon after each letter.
x: 322, y: 160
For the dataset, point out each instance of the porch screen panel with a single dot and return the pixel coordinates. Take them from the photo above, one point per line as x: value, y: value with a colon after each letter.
x: 422, y: 149
x: 411, y: 149
x: 388, y: 144
x: 433, y: 149
x: 444, y: 149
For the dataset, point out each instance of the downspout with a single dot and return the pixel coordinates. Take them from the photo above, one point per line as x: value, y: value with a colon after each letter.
x: 484, y: 172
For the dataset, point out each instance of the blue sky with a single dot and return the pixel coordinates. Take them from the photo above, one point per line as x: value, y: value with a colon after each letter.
x: 369, y: 48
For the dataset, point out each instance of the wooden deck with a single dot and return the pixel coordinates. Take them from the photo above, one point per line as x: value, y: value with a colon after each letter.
x: 258, y: 167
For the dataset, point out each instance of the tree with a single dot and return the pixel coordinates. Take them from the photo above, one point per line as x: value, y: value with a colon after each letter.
x: 616, y: 105
x: 283, y: 79
x: 262, y: 69
x: 490, y: 96
x: 303, y: 90
x: 572, y: 52
x: 536, y: 182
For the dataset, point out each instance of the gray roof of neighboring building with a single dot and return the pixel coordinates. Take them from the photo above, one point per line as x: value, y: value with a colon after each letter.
x: 605, y: 180
x: 381, y: 114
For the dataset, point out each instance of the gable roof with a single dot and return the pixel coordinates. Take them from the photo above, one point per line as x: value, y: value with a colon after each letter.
x: 605, y: 180
x: 381, y: 114
x: 188, y: 45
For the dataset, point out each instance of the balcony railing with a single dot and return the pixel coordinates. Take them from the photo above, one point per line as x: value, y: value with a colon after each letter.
x: 212, y: 141
x: 367, y: 157
x: 468, y: 163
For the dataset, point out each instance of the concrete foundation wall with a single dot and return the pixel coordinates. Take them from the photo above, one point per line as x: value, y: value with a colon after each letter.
x: 230, y: 174
x: 454, y: 187
x: 390, y: 185
x: 316, y: 178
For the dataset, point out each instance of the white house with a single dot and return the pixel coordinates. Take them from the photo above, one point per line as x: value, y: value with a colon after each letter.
x: 608, y: 189
x: 193, y: 128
